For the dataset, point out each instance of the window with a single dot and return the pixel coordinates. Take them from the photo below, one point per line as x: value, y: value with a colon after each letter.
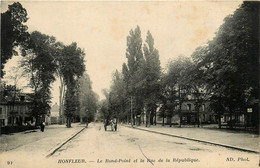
x: 9, y: 120
x: 189, y: 107
x: 2, y: 122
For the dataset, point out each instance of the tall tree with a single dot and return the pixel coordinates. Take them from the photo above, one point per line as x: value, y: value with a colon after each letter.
x: 135, y: 61
x: 177, y: 83
x: 39, y: 65
x: 72, y: 68
x: 151, y: 77
x: 13, y: 31
x: 168, y: 98
x: 118, y: 97
x: 232, y: 61
x: 88, y: 99
x: 59, y: 60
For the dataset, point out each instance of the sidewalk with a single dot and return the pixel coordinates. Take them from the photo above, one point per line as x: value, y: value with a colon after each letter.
x: 232, y: 139
x: 37, y: 142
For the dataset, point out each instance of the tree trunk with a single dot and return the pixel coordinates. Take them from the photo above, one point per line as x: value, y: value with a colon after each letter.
x: 151, y: 118
x: 219, y: 121
x: 87, y: 123
x: 60, y: 107
x: 143, y: 117
x: 245, y: 120
x: 1, y: 127
x: 198, y: 112
x: 81, y: 120
x: 180, y: 120
x: 163, y: 121
x: 146, y: 122
x: 155, y: 117
x: 68, y: 123
x: 36, y: 121
x: 180, y: 106
x: 147, y: 117
x: 230, y: 121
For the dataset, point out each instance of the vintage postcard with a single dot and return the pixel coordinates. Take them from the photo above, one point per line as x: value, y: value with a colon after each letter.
x: 140, y: 84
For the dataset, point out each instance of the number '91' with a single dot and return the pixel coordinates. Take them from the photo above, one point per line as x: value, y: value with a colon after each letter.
x: 9, y: 162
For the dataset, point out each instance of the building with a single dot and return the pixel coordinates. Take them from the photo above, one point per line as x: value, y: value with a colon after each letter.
x: 54, y: 114
x: 16, y: 112
x: 188, y: 114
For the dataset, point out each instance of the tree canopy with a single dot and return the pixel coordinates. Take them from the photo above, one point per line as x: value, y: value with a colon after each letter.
x: 13, y: 31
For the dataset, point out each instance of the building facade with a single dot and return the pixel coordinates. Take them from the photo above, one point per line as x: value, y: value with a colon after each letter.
x: 16, y: 112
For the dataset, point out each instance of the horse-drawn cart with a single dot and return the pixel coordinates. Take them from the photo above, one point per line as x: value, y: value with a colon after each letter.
x: 110, y: 123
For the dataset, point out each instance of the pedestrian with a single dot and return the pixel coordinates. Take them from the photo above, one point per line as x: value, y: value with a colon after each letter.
x: 112, y: 125
x: 115, y: 122
x: 42, y: 126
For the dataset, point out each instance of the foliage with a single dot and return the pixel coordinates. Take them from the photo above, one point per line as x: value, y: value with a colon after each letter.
x: 151, y: 77
x: 133, y: 70
x: 229, y: 63
x: 38, y: 63
x: 88, y: 99
x: 139, y: 82
x: 72, y: 67
x: 177, y: 85
x: 13, y: 31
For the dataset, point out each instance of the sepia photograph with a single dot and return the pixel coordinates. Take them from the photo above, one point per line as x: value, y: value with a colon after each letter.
x: 165, y: 84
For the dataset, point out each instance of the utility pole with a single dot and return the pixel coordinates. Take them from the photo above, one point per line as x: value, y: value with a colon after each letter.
x: 131, y: 111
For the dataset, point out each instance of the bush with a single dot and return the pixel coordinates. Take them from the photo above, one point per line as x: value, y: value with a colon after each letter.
x: 14, y: 129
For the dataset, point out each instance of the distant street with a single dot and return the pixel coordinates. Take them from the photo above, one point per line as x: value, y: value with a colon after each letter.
x: 125, y: 148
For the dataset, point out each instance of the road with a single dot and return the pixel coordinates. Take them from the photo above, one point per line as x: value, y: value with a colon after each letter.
x: 128, y: 147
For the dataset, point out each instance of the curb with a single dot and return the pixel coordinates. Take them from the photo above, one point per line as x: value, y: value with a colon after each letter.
x: 57, y: 148
x: 197, y: 140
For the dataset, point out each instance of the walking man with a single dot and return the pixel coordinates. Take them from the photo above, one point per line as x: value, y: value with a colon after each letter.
x: 42, y: 126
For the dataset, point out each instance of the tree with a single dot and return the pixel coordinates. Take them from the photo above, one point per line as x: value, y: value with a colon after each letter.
x: 177, y: 82
x: 88, y: 99
x: 104, y: 107
x: 72, y: 68
x: 13, y: 31
x: 168, y: 97
x: 151, y: 77
x: 126, y: 80
x: 38, y: 63
x: 119, y: 103
x: 133, y: 70
x: 231, y: 62
x: 59, y: 60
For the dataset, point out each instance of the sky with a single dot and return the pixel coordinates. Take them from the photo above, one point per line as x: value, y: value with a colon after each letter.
x: 101, y: 29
